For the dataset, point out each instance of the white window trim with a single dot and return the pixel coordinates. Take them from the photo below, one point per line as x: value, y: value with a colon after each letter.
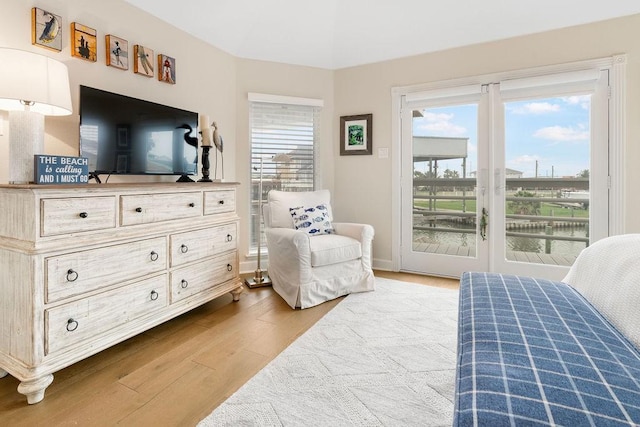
x: 280, y: 99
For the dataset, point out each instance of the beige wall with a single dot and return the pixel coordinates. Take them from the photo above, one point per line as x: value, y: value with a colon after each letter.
x: 215, y: 83
x: 205, y: 75
x: 363, y: 189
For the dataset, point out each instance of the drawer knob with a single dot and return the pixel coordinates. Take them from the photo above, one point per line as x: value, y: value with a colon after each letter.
x: 229, y: 237
x: 72, y: 325
x: 154, y: 295
x: 184, y: 249
x: 154, y: 256
x: 192, y: 205
x: 221, y: 202
x: 138, y: 210
x: 83, y: 214
x: 72, y: 275
x: 229, y: 267
x: 184, y: 284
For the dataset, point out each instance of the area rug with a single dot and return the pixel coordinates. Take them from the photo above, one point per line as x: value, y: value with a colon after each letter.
x: 381, y: 358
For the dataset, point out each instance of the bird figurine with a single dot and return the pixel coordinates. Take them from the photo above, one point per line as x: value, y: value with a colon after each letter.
x: 217, y: 139
x: 191, y: 140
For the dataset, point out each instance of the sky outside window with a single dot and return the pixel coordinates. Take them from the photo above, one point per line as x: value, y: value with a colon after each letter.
x: 555, y: 132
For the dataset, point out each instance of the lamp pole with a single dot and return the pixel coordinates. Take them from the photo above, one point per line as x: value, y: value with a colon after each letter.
x: 259, y: 278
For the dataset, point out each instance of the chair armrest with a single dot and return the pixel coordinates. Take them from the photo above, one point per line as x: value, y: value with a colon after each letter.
x: 289, y: 244
x: 361, y: 232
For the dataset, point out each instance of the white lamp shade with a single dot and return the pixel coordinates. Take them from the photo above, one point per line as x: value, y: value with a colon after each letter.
x: 28, y: 76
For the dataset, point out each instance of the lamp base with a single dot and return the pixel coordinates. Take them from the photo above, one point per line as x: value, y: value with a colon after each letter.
x: 26, y: 138
x: 258, y: 281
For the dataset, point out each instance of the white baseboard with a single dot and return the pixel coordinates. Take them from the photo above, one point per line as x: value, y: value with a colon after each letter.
x: 383, y: 264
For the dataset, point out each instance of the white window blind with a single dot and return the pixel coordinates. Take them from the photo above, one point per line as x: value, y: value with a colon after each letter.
x: 281, y: 125
x: 574, y: 82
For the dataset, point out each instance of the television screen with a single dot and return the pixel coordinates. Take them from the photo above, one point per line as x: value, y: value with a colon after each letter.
x: 124, y: 135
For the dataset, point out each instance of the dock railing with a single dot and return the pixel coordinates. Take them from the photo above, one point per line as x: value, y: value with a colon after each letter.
x: 449, y: 205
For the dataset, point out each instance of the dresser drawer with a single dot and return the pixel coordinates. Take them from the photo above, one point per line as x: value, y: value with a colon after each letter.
x: 88, y: 319
x: 72, y: 215
x: 219, y: 201
x: 198, y: 244
x: 188, y: 281
x: 79, y: 272
x: 150, y: 208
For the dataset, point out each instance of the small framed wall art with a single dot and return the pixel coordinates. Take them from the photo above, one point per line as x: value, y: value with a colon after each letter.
x: 46, y: 29
x: 356, y: 134
x: 166, y: 69
x: 142, y: 60
x: 117, y: 52
x: 83, y: 42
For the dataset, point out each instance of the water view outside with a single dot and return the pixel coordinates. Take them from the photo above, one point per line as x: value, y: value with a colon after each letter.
x: 545, y: 182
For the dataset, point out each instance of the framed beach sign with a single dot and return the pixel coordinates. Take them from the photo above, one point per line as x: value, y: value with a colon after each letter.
x: 356, y: 135
x: 46, y: 29
x: 117, y: 52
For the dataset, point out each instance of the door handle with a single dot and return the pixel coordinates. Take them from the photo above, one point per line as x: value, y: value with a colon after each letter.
x: 484, y: 221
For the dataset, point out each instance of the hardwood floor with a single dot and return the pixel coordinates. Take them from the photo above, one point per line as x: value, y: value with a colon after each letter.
x: 177, y: 373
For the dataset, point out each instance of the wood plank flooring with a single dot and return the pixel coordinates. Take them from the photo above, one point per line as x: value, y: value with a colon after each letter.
x: 177, y: 373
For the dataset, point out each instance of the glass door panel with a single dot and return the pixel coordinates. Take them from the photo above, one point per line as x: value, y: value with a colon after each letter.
x: 444, y: 180
x: 441, y: 219
x: 546, y: 179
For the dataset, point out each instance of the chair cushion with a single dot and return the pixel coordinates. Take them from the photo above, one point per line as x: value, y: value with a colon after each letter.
x: 313, y: 220
x: 332, y: 249
x: 281, y: 201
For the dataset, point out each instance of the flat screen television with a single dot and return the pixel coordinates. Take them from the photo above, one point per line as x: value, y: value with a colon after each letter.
x: 124, y: 135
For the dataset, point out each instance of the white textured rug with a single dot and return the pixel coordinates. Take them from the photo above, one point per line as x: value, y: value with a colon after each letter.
x: 382, y: 358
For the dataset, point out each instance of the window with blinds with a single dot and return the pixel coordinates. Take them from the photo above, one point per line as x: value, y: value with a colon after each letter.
x: 280, y: 128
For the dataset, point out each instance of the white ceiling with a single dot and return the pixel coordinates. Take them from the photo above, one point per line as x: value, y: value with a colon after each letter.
x: 336, y: 34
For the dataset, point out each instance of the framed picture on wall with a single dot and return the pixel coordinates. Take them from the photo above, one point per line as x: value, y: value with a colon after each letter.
x: 117, y: 52
x: 356, y: 135
x: 142, y: 60
x: 83, y: 42
x: 166, y: 69
x: 46, y: 29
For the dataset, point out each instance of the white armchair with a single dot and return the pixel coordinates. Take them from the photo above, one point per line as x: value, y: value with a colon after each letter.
x: 308, y: 268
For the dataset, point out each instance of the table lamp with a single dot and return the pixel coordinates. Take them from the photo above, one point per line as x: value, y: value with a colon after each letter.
x: 31, y: 86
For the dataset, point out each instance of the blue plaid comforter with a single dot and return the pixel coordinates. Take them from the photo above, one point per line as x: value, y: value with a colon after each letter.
x: 534, y: 352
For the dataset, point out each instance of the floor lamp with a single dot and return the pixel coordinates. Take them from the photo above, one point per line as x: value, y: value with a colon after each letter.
x: 31, y: 86
x: 260, y: 277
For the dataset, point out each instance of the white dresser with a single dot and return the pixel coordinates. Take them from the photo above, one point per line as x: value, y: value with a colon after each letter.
x: 85, y: 267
